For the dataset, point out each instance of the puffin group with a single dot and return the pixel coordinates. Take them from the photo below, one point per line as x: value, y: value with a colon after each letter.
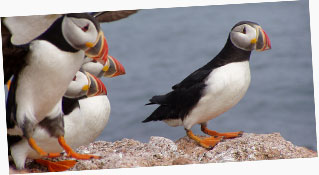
x: 56, y: 101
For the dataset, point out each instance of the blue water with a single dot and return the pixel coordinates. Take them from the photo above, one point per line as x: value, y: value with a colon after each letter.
x: 160, y: 47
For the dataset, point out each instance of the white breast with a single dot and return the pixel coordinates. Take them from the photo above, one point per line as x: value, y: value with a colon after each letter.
x: 85, y: 128
x: 226, y: 86
x: 45, y: 79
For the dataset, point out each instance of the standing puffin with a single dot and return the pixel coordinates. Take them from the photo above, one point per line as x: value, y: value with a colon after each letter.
x: 214, y: 88
x: 42, y: 69
x: 86, y: 112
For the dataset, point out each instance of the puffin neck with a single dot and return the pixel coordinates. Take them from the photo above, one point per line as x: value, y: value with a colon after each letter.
x: 230, y: 54
x: 54, y: 35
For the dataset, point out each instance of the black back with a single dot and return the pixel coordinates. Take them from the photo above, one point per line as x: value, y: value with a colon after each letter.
x: 186, y: 94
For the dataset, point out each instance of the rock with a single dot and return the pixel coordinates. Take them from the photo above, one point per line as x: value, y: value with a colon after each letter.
x: 160, y: 151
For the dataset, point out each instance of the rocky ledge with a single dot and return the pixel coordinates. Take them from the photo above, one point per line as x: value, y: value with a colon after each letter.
x: 160, y: 151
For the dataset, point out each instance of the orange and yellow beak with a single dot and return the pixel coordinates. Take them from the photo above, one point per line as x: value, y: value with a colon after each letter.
x: 99, y: 49
x: 96, y: 86
x: 262, y: 41
x: 113, y: 68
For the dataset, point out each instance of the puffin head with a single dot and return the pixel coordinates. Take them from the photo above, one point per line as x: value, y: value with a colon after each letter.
x: 111, y: 68
x: 78, y: 86
x: 249, y: 36
x: 83, y: 32
x: 85, y: 84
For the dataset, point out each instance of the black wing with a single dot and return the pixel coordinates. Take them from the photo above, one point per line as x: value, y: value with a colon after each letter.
x: 11, y: 105
x: 185, y: 95
x: 176, y: 104
x: 196, y: 77
x: 69, y: 104
x: 13, y: 56
x: 12, y: 140
x: 202, y: 73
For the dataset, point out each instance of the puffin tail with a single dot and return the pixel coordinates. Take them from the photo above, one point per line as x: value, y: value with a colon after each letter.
x: 163, y: 111
x: 147, y: 120
x: 150, y: 103
x: 160, y: 113
x: 158, y: 99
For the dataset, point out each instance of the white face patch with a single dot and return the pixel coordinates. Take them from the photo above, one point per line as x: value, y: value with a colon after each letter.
x: 94, y: 68
x: 241, y: 36
x: 75, y: 88
x: 79, y: 31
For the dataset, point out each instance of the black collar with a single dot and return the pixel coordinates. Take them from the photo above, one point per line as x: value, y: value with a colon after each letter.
x: 229, y: 54
x: 54, y: 35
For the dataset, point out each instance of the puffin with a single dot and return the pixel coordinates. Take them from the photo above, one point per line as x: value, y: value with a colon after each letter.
x: 42, y: 69
x: 21, y: 30
x: 214, y: 88
x: 86, y: 111
x: 111, y: 68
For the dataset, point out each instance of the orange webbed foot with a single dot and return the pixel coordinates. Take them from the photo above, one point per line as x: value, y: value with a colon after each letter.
x: 57, y: 166
x: 208, y: 143
x: 226, y: 135
x: 73, y: 154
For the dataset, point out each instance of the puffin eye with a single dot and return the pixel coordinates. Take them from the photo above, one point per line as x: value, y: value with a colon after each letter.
x: 244, y: 30
x: 85, y: 28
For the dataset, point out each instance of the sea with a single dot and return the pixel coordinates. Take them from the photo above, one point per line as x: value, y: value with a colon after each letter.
x: 160, y: 47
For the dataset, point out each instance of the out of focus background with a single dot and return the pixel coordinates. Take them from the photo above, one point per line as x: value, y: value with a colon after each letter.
x: 160, y: 47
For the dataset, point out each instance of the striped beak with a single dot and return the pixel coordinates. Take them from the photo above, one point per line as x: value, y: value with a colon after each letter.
x: 113, y: 68
x: 96, y: 86
x: 98, y: 50
x: 263, y: 41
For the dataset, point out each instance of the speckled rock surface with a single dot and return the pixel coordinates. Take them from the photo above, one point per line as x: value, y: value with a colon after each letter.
x: 161, y: 151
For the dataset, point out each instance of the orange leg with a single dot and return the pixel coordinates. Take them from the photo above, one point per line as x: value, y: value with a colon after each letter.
x: 208, y: 143
x: 57, y: 166
x: 40, y: 151
x: 226, y: 135
x: 73, y: 154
